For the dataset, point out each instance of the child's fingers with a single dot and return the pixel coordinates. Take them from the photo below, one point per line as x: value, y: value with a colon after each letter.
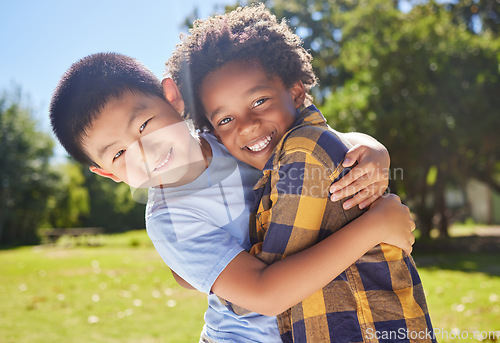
x: 352, y: 202
x: 409, y: 248
x: 368, y: 194
x: 367, y: 202
x: 360, y: 183
x: 373, y: 173
x: 347, y: 180
x: 410, y: 244
x: 353, y: 155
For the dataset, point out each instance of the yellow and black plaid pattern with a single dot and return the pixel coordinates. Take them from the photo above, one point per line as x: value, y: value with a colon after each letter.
x: 379, y: 298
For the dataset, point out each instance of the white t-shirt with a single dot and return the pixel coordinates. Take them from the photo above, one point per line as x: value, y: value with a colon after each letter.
x: 200, y: 227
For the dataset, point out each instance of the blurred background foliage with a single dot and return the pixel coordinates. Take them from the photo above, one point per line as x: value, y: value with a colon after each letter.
x: 26, y: 179
x: 37, y: 191
x: 420, y: 76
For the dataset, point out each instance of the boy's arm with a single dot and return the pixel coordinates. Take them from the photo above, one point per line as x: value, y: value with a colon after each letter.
x: 271, y: 289
x: 292, y: 215
x: 181, y: 281
x: 369, y: 178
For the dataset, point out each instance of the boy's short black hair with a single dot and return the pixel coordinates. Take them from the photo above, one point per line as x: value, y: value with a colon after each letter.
x: 86, y: 87
x: 246, y: 34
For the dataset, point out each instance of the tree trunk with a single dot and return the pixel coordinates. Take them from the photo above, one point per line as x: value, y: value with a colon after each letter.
x: 441, y: 207
x: 424, y: 215
x: 3, y: 212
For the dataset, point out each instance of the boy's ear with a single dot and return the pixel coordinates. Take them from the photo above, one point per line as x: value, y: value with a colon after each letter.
x: 298, y: 94
x: 103, y: 173
x: 172, y: 94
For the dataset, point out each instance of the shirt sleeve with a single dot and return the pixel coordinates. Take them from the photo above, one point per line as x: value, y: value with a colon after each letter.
x: 198, y: 259
x: 297, y: 212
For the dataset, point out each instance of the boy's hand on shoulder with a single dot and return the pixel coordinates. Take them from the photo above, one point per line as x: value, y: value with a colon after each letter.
x: 395, y: 221
x: 368, y: 179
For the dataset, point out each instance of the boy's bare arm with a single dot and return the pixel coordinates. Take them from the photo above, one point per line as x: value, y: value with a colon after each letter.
x: 271, y: 289
x: 181, y: 281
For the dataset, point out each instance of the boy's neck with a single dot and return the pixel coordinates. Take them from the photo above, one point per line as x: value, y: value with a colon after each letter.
x: 206, y: 151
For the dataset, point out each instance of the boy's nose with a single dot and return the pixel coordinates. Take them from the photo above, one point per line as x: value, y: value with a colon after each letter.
x: 248, y: 125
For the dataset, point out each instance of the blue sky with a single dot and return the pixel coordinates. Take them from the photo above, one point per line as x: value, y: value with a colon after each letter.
x: 39, y: 40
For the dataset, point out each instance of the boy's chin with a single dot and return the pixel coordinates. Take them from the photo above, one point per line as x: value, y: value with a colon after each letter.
x: 166, y: 178
x: 170, y: 178
x: 257, y: 160
x: 255, y: 163
x: 153, y: 182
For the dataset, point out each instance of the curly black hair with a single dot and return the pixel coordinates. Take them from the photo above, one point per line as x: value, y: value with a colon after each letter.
x: 246, y: 34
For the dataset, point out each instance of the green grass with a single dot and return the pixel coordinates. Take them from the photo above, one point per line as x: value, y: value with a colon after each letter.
x: 119, y: 292
x: 122, y: 292
x: 463, y: 294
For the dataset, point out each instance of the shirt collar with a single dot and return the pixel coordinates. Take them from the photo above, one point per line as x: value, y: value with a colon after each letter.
x: 307, y: 116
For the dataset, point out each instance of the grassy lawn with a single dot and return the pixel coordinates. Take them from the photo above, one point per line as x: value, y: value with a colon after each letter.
x: 123, y: 292
x: 119, y: 292
x: 463, y: 295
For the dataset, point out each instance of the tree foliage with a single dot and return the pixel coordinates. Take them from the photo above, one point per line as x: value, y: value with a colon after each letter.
x: 111, y: 205
x: 85, y: 199
x: 69, y: 204
x: 427, y: 88
x: 25, y: 176
x: 35, y: 192
x: 478, y: 16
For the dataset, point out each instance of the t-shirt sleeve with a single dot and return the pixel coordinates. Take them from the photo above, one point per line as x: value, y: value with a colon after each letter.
x: 198, y: 257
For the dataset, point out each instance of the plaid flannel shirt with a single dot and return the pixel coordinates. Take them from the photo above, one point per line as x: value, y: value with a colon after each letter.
x: 377, y: 299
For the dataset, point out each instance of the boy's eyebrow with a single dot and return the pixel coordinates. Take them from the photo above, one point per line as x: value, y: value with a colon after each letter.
x: 247, y: 93
x: 257, y: 88
x: 135, y: 113
x: 103, y: 150
x: 215, y: 112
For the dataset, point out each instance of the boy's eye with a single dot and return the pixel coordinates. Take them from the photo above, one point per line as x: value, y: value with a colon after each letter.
x: 118, y: 154
x: 143, y: 126
x: 224, y: 121
x: 260, y: 102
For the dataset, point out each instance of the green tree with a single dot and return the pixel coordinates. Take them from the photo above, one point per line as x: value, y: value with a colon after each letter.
x: 111, y: 205
x: 427, y: 88
x: 70, y: 204
x: 85, y: 199
x: 479, y: 16
x: 25, y: 177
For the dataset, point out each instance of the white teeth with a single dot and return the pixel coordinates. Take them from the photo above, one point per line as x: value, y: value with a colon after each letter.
x: 165, y: 161
x: 259, y: 146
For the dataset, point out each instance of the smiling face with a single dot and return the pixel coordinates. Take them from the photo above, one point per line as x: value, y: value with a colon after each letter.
x: 142, y: 141
x: 249, y: 110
